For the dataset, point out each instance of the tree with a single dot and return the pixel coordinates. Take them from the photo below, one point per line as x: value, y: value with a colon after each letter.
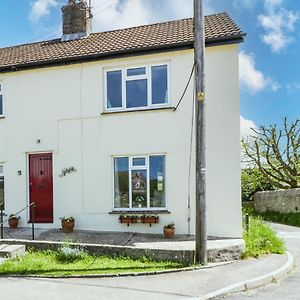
x: 253, y: 181
x: 276, y: 153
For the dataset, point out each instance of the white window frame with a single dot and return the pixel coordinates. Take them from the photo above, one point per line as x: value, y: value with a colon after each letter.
x: 131, y: 167
x: 126, y: 78
x: 2, y: 94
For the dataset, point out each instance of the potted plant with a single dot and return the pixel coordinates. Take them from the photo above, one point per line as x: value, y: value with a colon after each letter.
x: 128, y: 219
x: 13, y: 221
x: 67, y: 224
x: 169, y: 230
x: 150, y: 219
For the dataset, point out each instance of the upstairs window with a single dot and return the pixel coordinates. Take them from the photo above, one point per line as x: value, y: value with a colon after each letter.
x: 1, y: 101
x: 137, y: 88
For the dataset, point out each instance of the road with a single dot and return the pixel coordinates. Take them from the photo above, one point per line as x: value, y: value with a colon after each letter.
x: 288, y: 288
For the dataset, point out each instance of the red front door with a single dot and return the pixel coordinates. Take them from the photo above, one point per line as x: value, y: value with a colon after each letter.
x: 41, y: 187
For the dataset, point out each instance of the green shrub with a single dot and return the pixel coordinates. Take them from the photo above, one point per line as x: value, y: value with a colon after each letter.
x: 292, y: 219
x: 253, y: 181
x: 261, y: 239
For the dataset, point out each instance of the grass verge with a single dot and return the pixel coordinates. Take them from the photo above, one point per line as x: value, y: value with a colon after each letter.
x: 51, y: 263
x: 261, y: 239
x: 292, y: 219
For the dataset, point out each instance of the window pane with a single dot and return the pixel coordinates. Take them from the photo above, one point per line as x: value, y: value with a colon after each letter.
x: 1, y: 105
x: 141, y: 161
x: 1, y: 186
x: 157, y: 181
x: 136, y: 71
x: 136, y: 93
x: 139, y: 188
x: 159, y: 84
x: 121, y: 182
x: 114, y: 89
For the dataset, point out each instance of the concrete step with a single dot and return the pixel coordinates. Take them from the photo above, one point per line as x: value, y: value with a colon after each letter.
x: 11, y: 250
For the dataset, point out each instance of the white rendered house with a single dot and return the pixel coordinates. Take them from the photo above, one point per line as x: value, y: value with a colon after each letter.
x: 88, y: 126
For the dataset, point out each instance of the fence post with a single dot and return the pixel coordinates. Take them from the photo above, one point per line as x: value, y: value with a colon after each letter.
x: 247, y: 222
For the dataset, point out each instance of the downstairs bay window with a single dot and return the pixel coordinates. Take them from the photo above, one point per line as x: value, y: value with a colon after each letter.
x: 137, y: 88
x: 139, y: 182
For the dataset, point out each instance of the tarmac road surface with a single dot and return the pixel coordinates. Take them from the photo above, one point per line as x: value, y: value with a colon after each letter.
x: 289, y: 287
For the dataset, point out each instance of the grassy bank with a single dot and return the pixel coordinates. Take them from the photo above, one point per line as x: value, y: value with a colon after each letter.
x: 261, y: 239
x: 50, y: 263
x: 292, y: 219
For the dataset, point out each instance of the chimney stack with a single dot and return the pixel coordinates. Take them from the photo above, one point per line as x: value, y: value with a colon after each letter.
x: 77, y: 20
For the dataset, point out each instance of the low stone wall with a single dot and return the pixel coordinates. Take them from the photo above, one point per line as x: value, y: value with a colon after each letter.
x: 221, y: 253
x: 285, y: 201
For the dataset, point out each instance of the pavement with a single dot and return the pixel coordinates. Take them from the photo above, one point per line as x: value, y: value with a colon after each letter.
x: 205, y: 283
x: 288, y: 287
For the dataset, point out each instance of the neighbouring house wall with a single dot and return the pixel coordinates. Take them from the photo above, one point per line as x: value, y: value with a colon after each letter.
x: 63, y: 108
x: 285, y: 201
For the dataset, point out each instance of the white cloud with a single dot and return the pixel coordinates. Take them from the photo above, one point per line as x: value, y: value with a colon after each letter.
x: 253, y: 79
x: 115, y: 14
x: 293, y: 87
x: 127, y: 13
x: 246, y: 126
x: 41, y: 8
x: 278, y: 24
x: 119, y: 15
x: 271, y: 4
x: 248, y: 4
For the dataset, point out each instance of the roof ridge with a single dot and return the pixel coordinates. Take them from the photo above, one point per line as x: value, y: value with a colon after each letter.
x: 160, y: 23
x: 116, y: 30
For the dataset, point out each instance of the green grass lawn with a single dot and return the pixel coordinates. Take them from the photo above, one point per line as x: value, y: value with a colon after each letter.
x: 261, y: 239
x: 50, y: 263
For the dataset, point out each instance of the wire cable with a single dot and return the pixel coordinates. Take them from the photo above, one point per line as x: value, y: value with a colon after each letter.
x: 190, y: 161
x: 186, y: 87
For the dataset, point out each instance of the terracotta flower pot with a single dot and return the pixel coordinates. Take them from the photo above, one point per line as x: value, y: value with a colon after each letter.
x: 13, y: 223
x: 169, y: 233
x: 67, y: 226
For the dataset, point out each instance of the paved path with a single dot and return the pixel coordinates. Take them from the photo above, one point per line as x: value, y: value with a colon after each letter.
x: 288, y: 288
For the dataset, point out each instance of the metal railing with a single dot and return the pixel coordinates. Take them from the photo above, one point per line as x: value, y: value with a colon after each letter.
x: 32, y: 206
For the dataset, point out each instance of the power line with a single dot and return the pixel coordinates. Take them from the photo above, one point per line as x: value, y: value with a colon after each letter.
x: 186, y: 87
x: 190, y: 160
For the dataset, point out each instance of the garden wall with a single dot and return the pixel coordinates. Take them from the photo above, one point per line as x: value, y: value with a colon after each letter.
x: 284, y: 201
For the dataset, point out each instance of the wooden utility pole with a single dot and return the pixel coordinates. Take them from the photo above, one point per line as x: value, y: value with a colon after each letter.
x: 199, y: 46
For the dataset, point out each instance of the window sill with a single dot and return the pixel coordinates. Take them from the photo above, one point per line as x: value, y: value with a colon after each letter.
x: 137, y: 110
x: 139, y: 212
x: 2, y: 117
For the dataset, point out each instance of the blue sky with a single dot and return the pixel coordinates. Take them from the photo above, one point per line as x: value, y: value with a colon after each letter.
x: 269, y: 58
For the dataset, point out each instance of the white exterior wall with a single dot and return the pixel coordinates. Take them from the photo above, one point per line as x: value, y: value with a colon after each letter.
x: 63, y: 106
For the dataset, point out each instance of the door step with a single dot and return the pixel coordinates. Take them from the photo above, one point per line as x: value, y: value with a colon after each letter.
x: 11, y: 250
